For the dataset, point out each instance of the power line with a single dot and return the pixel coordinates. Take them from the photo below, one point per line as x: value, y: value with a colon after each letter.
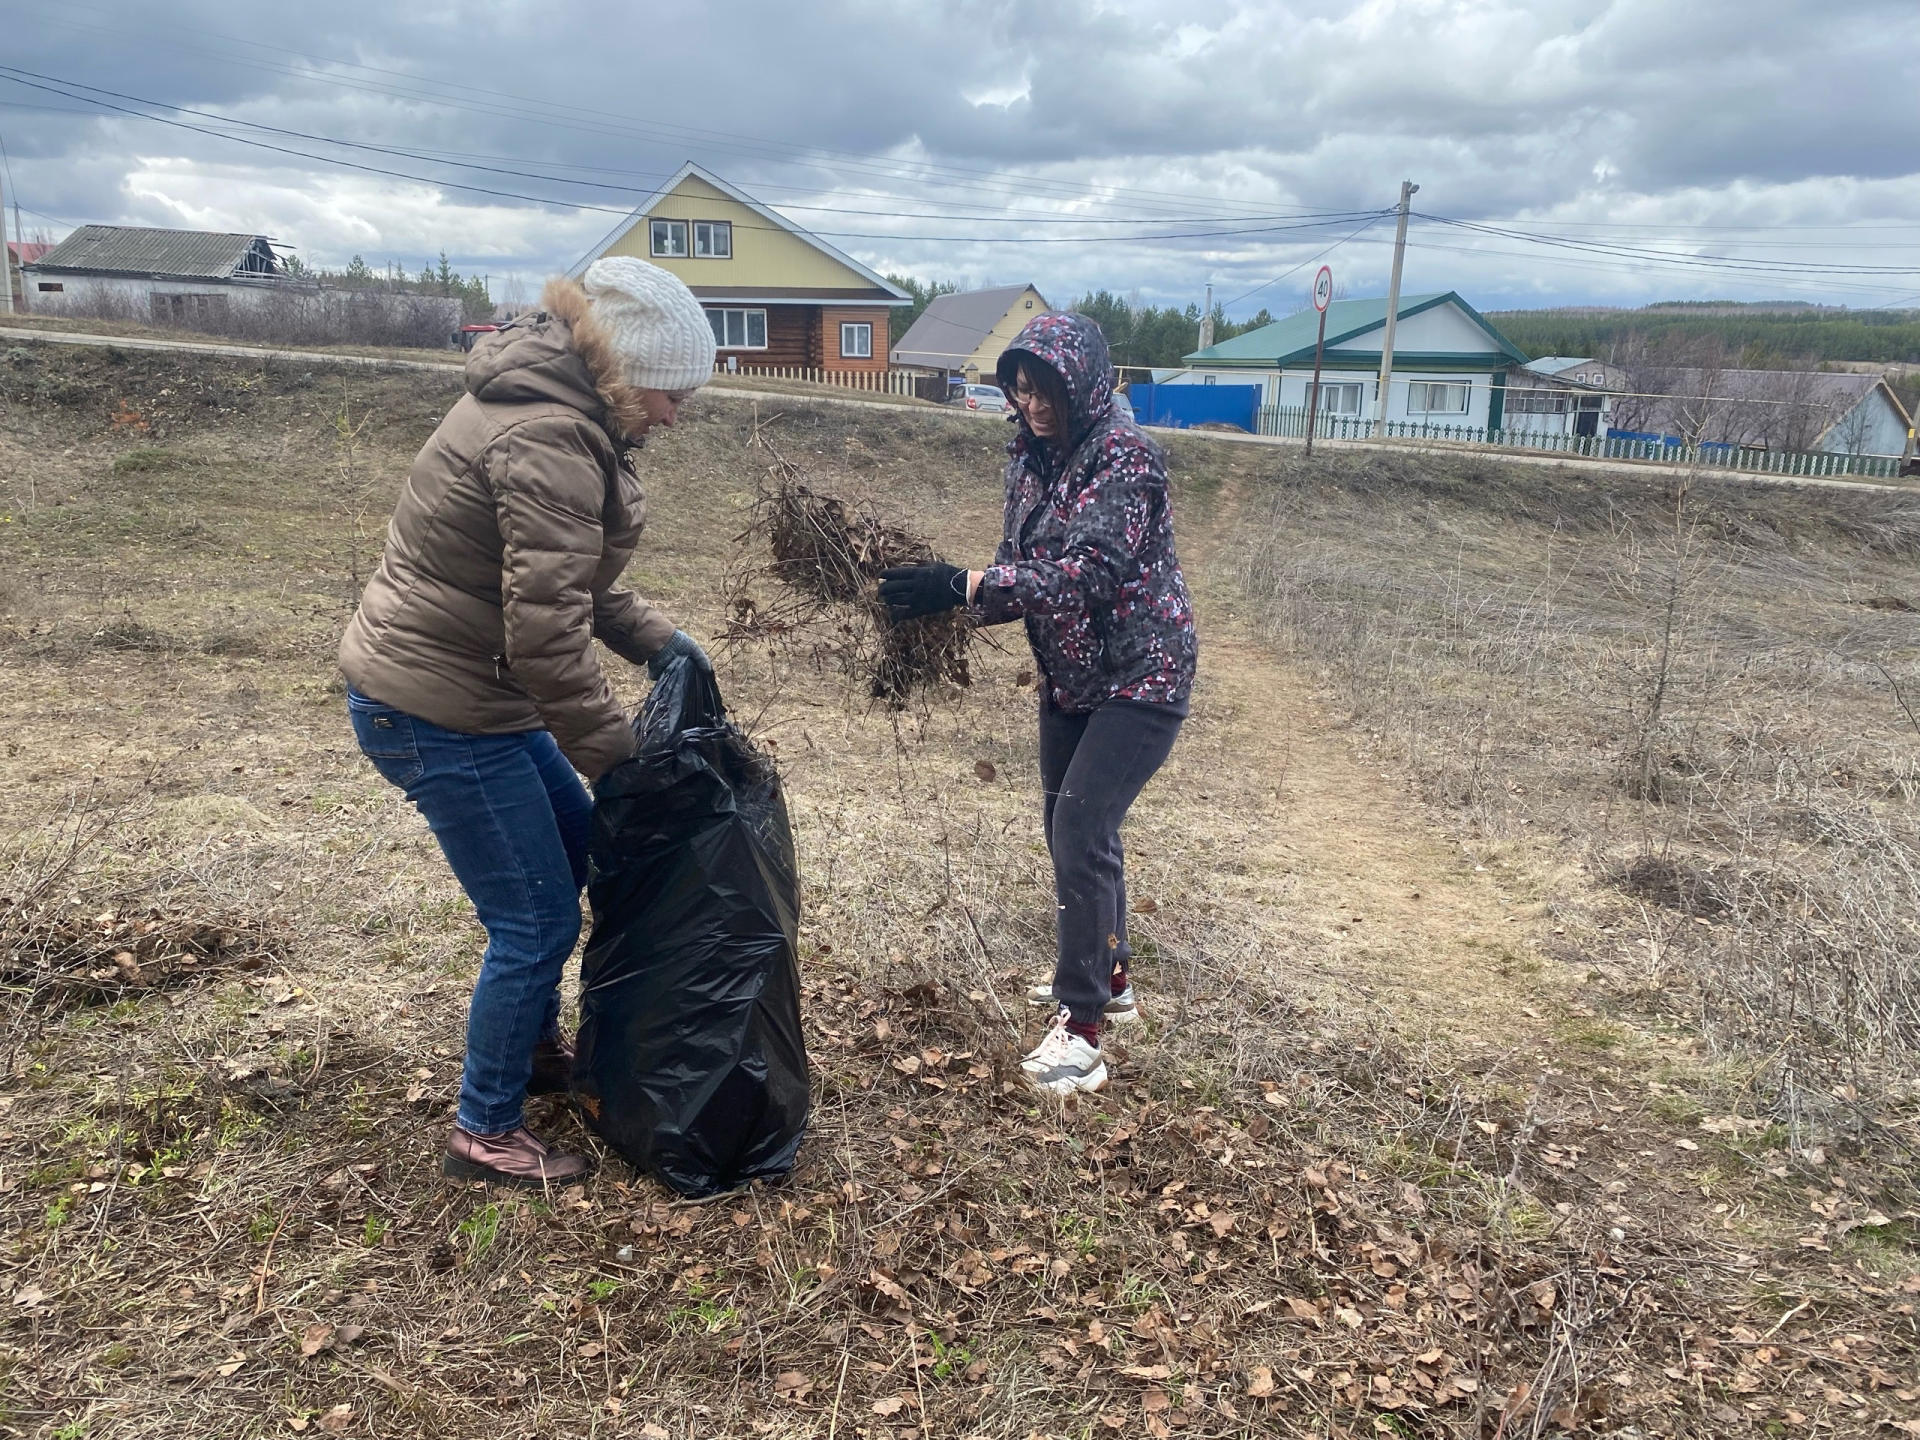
x: 952, y: 177
x: 1637, y: 268
x: 607, y: 123
x: 21, y: 77
x: 1671, y: 256
x: 471, y: 162
x: 1309, y: 260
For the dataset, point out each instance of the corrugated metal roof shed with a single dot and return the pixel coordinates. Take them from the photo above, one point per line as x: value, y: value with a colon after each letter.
x: 189, y: 254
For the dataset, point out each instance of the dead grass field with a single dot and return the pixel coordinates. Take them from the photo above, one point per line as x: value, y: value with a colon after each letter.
x: 1399, y: 1151
x: 1701, y: 694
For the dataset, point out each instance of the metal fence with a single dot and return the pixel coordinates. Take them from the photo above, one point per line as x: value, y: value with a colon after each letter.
x: 1291, y: 421
x: 876, y: 382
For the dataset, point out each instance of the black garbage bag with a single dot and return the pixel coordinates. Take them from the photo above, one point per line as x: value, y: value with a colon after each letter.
x: 691, y: 1061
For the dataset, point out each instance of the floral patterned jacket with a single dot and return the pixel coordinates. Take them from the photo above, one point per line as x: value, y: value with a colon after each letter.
x: 1087, y: 557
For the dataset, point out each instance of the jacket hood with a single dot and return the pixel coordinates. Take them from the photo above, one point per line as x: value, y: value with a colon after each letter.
x: 1074, y: 346
x: 533, y: 359
x: 562, y: 355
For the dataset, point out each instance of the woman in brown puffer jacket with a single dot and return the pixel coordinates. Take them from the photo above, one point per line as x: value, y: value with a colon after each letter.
x: 473, y: 684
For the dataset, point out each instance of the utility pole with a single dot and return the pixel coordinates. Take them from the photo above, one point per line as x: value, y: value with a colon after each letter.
x: 6, y: 265
x: 1206, y: 321
x: 1407, y: 191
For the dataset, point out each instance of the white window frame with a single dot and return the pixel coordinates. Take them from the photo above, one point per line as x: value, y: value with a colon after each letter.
x: 1330, y: 390
x: 1422, y: 390
x: 710, y: 231
x: 721, y: 318
x: 668, y: 227
x: 1535, y: 400
x: 859, y: 351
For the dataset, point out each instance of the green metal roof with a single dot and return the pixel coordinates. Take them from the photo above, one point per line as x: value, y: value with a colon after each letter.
x: 1291, y: 340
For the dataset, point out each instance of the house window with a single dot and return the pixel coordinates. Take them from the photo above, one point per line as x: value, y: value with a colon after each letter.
x: 713, y: 239
x: 52, y: 287
x: 856, y: 341
x: 1029, y: 304
x: 174, y: 309
x: 670, y: 238
x: 1209, y: 379
x: 1536, y: 402
x: 739, y: 329
x: 1436, y: 397
x: 1342, y: 398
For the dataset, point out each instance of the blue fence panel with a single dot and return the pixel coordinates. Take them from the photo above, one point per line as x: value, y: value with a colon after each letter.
x: 1180, y: 407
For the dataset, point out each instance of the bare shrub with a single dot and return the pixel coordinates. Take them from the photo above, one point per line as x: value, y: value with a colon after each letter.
x: 290, y: 313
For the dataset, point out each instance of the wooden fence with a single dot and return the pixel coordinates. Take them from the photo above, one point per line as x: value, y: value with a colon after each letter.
x: 873, y: 382
x: 1291, y: 420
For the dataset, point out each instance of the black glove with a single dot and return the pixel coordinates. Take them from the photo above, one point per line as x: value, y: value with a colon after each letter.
x: 681, y: 644
x: 909, y: 591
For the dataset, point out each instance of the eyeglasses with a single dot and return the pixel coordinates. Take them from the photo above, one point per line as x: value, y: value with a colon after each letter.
x: 1023, y: 395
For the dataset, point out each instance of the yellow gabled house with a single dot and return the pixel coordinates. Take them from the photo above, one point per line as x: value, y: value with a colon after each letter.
x: 774, y: 294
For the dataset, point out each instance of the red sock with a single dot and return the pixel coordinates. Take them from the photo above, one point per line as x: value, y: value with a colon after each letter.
x: 1088, y: 1033
x: 1120, y: 981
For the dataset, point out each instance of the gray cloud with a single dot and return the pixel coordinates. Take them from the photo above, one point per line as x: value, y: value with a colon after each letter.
x: 1587, y: 117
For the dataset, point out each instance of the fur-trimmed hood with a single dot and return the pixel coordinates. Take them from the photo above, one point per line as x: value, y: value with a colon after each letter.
x: 561, y: 355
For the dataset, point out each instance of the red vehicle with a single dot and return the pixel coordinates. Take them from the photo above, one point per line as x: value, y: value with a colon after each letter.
x: 470, y: 333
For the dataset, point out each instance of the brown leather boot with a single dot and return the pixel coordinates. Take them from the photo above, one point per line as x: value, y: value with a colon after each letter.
x: 552, y: 1067
x: 518, y: 1157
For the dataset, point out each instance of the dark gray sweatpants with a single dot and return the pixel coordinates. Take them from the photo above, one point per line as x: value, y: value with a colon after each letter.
x: 1092, y: 766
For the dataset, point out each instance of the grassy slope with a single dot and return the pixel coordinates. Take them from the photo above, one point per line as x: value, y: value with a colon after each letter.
x: 1379, y: 1159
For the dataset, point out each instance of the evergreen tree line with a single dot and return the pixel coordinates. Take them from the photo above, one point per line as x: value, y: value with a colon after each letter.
x: 442, y: 280
x: 1753, y: 338
x: 1152, y: 337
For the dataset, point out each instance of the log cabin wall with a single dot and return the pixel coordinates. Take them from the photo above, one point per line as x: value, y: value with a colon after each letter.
x: 809, y: 336
x: 828, y: 356
x: 793, y: 336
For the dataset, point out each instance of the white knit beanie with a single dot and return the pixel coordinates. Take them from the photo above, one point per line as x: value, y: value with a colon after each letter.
x: 659, y: 332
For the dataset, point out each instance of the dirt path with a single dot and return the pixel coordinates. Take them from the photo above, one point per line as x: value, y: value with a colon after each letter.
x: 1400, y: 919
x: 1382, y: 911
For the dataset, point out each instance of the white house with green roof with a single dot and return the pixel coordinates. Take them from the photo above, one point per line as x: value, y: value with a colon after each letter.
x: 1449, y: 365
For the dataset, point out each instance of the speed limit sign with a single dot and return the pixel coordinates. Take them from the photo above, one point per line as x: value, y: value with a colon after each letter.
x: 1322, y: 296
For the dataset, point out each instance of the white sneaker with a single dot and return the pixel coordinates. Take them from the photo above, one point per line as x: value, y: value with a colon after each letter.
x: 1122, y: 1009
x: 1063, y: 1062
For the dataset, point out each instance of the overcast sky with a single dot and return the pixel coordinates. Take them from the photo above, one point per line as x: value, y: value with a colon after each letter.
x: 1142, y: 147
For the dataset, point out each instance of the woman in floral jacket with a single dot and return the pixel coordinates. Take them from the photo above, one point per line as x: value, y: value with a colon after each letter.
x: 1087, y: 561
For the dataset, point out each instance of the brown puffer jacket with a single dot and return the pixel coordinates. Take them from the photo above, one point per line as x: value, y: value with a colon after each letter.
x: 503, y: 556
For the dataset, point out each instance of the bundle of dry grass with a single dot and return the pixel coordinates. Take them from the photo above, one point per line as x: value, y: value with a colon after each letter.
x: 828, y: 553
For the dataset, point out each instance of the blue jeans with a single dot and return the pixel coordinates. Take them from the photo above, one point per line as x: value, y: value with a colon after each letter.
x: 511, y: 817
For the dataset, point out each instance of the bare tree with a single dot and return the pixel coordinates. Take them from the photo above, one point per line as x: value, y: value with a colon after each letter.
x: 1800, y: 414
x: 1852, y: 433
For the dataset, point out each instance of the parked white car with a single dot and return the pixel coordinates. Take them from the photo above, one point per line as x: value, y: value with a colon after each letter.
x: 984, y: 398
